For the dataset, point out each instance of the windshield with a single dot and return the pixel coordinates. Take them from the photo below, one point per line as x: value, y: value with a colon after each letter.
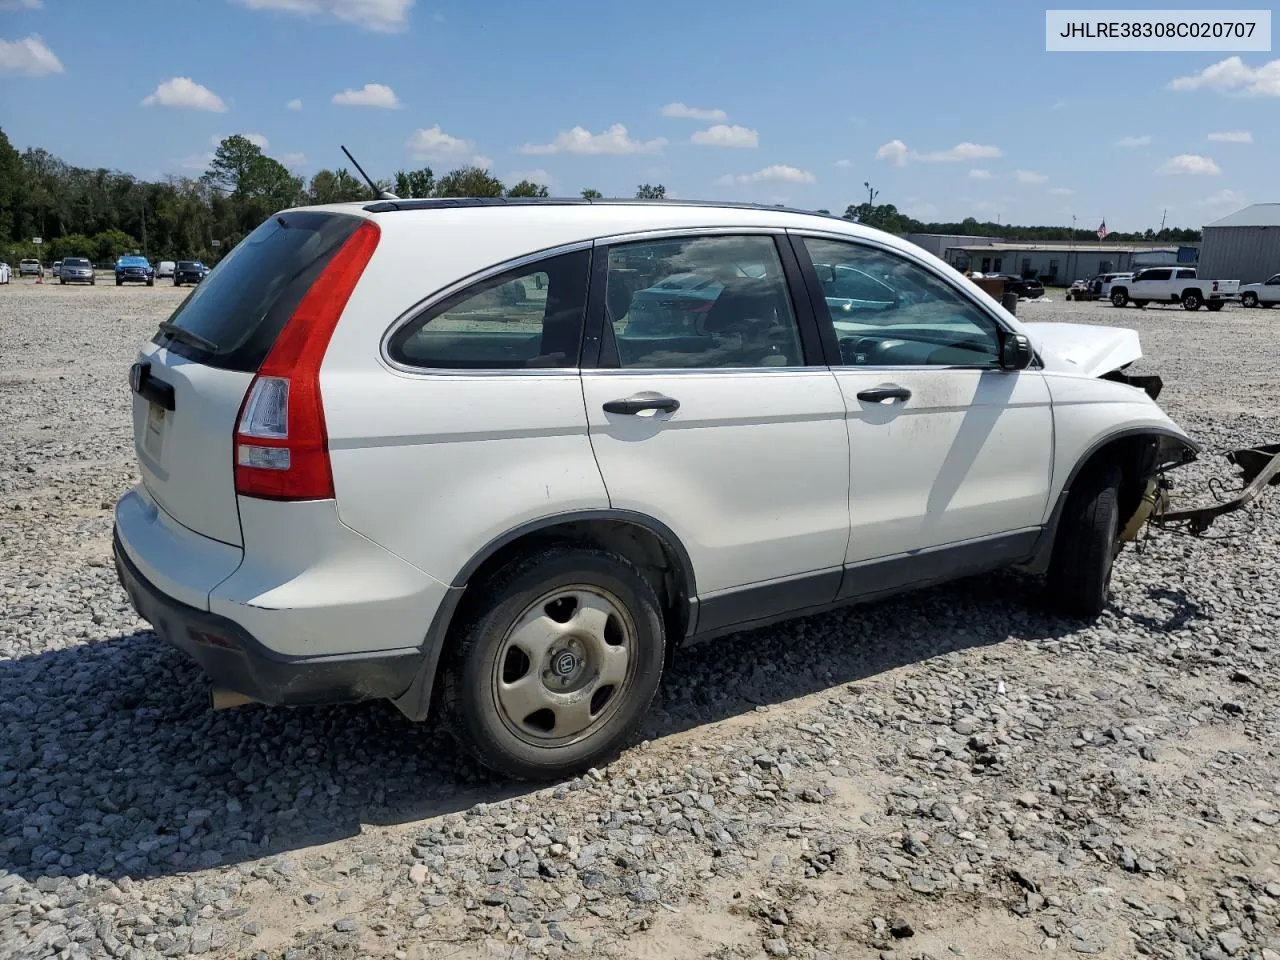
x: 133, y: 261
x: 75, y: 262
x: 188, y: 264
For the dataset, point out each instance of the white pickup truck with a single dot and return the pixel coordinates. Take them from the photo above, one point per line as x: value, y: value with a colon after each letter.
x: 1265, y: 294
x: 1174, y: 285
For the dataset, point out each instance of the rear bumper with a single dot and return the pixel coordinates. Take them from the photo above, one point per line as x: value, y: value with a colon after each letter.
x: 234, y: 659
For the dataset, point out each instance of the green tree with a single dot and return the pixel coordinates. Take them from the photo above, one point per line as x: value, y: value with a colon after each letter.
x: 231, y: 163
x: 469, y: 182
x: 72, y: 245
x: 336, y: 186
x: 647, y: 192
x: 527, y: 188
x: 12, y: 177
x: 416, y: 184
x: 589, y: 194
x: 110, y: 244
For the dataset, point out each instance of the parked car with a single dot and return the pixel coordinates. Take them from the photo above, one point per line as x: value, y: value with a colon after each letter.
x: 290, y: 414
x: 77, y: 270
x: 134, y: 270
x: 1080, y: 290
x: 1174, y: 285
x: 1265, y: 294
x: 165, y: 268
x: 1103, y: 283
x: 189, y: 271
x: 6, y: 272
x: 1028, y: 288
x: 30, y: 268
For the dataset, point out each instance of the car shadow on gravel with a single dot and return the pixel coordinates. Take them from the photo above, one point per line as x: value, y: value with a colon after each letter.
x: 113, y: 764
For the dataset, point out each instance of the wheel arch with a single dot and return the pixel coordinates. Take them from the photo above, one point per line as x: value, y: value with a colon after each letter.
x: 1142, y: 451
x: 649, y: 543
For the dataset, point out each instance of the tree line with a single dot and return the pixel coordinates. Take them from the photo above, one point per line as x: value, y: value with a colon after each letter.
x: 102, y: 214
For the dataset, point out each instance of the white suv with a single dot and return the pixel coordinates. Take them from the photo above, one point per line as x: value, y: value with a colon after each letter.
x: 502, y: 458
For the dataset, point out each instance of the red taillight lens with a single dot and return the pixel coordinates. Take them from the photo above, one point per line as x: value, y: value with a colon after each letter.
x: 281, y: 447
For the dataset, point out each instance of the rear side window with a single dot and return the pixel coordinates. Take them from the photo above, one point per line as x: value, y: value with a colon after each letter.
x: 1186, y: 274
x: 245, y: 301
x: 527, y: 318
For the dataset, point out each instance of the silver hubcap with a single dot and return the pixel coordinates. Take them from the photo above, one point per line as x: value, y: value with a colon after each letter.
x: 564, y: 665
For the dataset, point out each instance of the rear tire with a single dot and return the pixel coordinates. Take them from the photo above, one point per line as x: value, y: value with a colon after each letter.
x: 1249, y: 300
x: 556, y: 658
x: 1119, y: 298
x: 1079, y: 577
x: 1192, y: 300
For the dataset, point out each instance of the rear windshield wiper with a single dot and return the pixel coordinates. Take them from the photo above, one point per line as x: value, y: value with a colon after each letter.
x: 178, y: 333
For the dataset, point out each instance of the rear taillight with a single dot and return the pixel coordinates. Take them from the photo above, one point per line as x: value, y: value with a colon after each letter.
x: 281, y: 447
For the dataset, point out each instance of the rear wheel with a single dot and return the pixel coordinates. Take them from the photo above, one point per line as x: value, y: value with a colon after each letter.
x: 1119, y: 298
x: 176, y: 283
x: 556, y: 662
x: 1249, y: 300
x: 1079, y: 578
x: 1191, y: 300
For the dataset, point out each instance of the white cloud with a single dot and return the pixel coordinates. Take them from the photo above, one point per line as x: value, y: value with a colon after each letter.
x: 694, y: 113
x: 920, y: 210
x: 28, y: 57
x: 257, y: 139
x: 537, y: 175
x: 1190, y: 163
x: 843, y: 164
x: 1061, y: 191
x: 895, y: 151
x: 777, y: 173
x: 580, y: 140
x: 385, y: 16
x: 481, y: 161
x: 1030, y: 176
x: 434, y: 143
x: 1231, y: 136
x: 1139, y: 141
x: 294, y: 104
x: 370, y: 95
x: 1223, y: 198
x: 723, y: 135
x: 1233, y: 75
x: 21, y: 4
x: 195, y: 161
x: 293, y: 160
x: 183, y: 92
x: 981, y: 175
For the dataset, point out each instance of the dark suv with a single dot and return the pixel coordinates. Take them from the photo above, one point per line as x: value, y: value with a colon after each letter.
x: 135, y: 270
x: 188, y: 271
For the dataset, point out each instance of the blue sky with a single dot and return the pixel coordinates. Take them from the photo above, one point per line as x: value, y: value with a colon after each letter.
x: 947, y: 109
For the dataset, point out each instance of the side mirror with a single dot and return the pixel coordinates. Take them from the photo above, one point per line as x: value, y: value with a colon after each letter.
x: 1016, y: 352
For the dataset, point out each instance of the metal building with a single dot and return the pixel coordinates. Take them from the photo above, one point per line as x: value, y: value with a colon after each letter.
x: 1243, y: 246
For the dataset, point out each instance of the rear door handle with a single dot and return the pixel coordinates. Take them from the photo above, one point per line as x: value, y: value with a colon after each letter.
x: 878, y: 394
x: 634, y: 405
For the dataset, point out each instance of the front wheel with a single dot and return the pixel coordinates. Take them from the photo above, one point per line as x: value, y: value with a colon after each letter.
x: 151, y: 283
x: 1079, y: 578
x: 1249, y: 300
x: 1192, y: 300
x: 556, y: 661
x: 119, y: 283
x: 1119, y: 298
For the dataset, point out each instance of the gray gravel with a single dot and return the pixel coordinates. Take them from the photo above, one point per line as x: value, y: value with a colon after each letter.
x: 951, y: 774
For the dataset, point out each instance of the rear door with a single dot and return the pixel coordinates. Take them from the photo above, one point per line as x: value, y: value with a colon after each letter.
x: 189, y: 381
x: 712, y: 412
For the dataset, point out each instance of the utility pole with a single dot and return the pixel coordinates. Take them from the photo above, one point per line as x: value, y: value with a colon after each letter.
x: 871, y: 193
x: 1164, y: 214
x: 144, y: 228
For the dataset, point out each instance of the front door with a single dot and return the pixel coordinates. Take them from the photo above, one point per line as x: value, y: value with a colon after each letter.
x: 705, y: 416
x: 948, y: 451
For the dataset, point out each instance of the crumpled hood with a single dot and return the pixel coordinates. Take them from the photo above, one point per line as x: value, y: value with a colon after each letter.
x: 1083, y: 348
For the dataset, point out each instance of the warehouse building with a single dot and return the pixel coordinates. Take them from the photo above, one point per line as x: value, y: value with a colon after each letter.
x: 1065, y: 263
x: 1243, y: 246
x: 939, y: 243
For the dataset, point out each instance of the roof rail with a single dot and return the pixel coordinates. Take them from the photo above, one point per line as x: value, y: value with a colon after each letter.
x: 443, y: 203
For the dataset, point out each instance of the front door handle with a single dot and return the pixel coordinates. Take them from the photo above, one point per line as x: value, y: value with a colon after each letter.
x: 634, y: 405
x: 878, y: 394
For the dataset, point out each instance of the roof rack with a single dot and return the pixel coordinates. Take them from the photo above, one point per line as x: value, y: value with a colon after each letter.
x: 443, y: 203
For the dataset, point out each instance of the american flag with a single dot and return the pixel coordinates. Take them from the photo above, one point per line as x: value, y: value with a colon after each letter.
x: 1102, y: 229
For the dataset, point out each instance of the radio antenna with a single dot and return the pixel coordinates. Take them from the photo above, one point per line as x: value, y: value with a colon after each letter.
x: 380, y: 194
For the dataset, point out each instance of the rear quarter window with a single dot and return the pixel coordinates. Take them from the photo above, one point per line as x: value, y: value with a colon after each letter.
x: 245, y: 301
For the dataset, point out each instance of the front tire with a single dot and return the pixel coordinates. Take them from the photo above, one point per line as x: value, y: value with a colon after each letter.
x: 1192, y: 300
x: 1079, y: 577
x: 1119, y: 298
x: 1249, y: 300
x: 554, y: 665
x: 119, y: 283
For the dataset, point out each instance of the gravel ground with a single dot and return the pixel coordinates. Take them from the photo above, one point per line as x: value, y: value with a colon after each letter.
x: 952, y: 774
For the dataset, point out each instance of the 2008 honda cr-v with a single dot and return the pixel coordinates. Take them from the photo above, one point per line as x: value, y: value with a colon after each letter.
x: 503, y: 457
